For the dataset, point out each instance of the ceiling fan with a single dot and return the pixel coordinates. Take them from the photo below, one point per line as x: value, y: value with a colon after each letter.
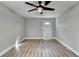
x: 42, y: 6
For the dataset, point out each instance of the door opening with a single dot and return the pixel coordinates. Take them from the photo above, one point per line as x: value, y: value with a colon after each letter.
x: 47, y: 30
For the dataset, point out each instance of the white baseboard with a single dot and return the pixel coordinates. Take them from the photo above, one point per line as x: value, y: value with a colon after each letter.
x: 6, y: 50
x: 68, y: 47
x: 21, y: 40
x: 33, y: 38
x: 54, y: 38
x: 37, y: 38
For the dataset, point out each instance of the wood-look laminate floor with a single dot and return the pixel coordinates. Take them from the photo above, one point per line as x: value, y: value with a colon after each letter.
x: 40, y: 48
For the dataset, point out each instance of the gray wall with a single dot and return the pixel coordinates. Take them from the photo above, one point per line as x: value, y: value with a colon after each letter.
x: 53, y: 27
x: 11, y: 26
x: 67, y: 26
x: 33, y: 27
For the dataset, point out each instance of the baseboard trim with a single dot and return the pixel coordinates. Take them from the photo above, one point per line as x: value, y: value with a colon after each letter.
x: 37, y: 38
x: 33, y: 38
x: 21, y: 40
x: 68, y: 47
x: 54, y: 38
x: 6, y: 50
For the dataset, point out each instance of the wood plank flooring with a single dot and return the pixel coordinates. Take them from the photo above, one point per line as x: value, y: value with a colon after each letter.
x: 40, y: 48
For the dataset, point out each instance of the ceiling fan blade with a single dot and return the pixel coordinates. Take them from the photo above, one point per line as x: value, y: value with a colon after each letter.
x: 47, y: 2
x: 30, y: 4
x: 47, y: 8
x: 32, y: 10
x: 39, y: 2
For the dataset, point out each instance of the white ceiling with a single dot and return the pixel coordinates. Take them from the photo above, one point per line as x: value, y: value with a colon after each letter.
x: 21, y: 8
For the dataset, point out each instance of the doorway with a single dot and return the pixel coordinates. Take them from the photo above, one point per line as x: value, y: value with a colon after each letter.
x: 47, y: 29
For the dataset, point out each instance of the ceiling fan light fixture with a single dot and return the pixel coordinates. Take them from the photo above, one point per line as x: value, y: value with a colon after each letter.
x: 40, y: 10
x: 42, y: 6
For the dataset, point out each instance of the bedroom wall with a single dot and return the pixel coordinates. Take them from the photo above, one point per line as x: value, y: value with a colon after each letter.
x: 33, y: 27
x: 67, y: 27
x: 11, y: 28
